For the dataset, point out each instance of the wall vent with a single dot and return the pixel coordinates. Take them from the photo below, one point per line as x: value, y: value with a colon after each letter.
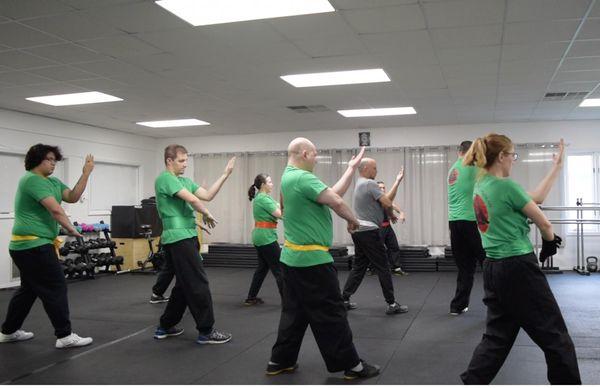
x: 565, y: 96
x: 309, y: 108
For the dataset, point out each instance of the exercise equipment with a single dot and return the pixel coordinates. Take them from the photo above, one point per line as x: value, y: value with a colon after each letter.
x: 592, y: 263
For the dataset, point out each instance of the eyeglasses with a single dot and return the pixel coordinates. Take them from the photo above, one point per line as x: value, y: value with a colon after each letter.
x: 51, y: 160
x: 515, y: 156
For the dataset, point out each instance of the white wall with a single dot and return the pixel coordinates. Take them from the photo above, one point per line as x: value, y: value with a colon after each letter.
x: 580, y: 135
x: 19, y: 131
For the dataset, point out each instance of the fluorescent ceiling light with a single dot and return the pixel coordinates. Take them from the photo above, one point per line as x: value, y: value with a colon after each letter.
x: 365, y: 76
x: 588, y: 102
x: 75, y: 99
x: 206, y: 12
x: 173, y: 123
x: 405, y: 110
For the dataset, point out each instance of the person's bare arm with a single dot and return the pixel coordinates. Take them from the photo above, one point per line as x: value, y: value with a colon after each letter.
x: 391, y: 194
x: 73, y: 195
x: 341, y: 186
x: 211, y: 192
x: 533, y: 212
x: 198, y: 206
x: 541, y: 191
x: 58, y: 213
x: 330, y: 198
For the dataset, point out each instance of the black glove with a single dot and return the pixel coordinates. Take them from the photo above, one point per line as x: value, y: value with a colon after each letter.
x: 549, y: 247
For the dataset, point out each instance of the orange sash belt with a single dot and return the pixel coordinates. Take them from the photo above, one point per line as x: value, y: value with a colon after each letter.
x: 265, y: 224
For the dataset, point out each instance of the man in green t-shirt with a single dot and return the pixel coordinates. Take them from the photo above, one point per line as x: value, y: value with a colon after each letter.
x: 177, y: 198
x: 311, y: 292
x: 33, y: 246
x: 464, y: 236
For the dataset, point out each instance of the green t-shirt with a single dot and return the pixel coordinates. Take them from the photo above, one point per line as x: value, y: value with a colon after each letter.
x: 31, y: 217
x: 461, y: 180
x: 503, y: 227
x: 262, y: 207
x: 306, y: 222
x: 177, y: 216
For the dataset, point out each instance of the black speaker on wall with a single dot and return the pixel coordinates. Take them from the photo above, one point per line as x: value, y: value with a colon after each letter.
x: 126, y: 221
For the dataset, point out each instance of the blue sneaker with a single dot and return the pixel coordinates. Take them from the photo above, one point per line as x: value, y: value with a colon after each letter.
x: 162, y: 333
x: 215, y: 337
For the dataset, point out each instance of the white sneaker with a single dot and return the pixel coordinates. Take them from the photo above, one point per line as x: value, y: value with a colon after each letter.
x: 73, y: 341
x: 18, y: 335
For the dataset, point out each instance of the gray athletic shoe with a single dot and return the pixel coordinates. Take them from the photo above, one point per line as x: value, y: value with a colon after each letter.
x: 396, y: 308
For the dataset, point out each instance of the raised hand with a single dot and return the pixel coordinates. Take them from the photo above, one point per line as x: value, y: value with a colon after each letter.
x: 355, y: 160
x: 230, y: 166
x: 559, y: 159
x: 88, y: 166
x: 400, y: 175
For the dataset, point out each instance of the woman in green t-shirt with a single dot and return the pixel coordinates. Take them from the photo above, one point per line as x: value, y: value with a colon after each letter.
x: 517, y: 294
x: 266, y: 211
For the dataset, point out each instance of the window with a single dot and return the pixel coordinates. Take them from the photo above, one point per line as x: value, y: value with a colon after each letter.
x: 113, y: 184
x: 582, y: 182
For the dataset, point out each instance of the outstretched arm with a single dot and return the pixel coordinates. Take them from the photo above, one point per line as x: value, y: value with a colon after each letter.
x: 342, y: 185
x: 541, y: 191
x: 73, y: 195
x: 208, y: 195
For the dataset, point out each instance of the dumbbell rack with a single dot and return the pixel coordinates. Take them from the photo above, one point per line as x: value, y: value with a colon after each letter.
x: 84, y: 265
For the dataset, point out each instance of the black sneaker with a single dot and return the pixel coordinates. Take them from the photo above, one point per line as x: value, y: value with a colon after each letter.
x: 162, y: 333
x: 253, y: 301
x: 275, y: 369
x: 458, y: 312
x: 215, y: 337
x: 158, y: 299
x: 350, y: 305
x: 367, y: 371
x: 396, y: 308
x: 398, y: 271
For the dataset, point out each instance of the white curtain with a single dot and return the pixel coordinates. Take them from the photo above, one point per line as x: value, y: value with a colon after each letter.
x: 422, y: 194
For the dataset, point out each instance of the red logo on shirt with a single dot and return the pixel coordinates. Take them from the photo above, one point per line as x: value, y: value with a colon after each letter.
x: 453, y: 177
x: 481, y: 212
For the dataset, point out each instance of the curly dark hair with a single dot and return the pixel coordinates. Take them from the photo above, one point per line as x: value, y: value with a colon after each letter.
x: 38, y: 153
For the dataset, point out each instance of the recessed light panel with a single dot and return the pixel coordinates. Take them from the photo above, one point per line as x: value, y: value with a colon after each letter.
x: 173, y: 123
x: 405, y: 110
x: 349, y: 77
x: 75, y: 99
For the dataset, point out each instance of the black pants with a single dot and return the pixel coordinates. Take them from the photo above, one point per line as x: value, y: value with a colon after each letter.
x: 311, y: 296
x: 164, y: 277
x: 467, y: 251
x: 41, y: 277
x: 268, y: 259
x: 517, y: 295
x: 191, y: 287
x: 391, y: 246
x: 369, y: 248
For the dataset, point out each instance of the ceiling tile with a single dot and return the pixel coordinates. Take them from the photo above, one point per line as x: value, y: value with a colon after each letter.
x: 537, y: 32
x: 474, y: 69
x: 587, y: 63
x: 120, y: 46
x: 63, y: 73
x: 388, y: 19
x: 87, y: 4
x: 589, y: 48
x: 99, y: 84
x: 311, y: 26
x: 488, y: 35
x: 545, y: 50
x: 463, y: 13
x: 21, y: 78
x: 590, y: 29
x: 422, y: 77
x: 20, y: 60
x: 16, y: 35
x: 402, y: 47
x: 529, y: 10
x: 355, y: 4
x: 453, y: 56
x: 67, y: 53
x: 577, y: 76
x: 19, y: 9
x: 331, y: 46
x: 73, y: 26
x: 582, y: 86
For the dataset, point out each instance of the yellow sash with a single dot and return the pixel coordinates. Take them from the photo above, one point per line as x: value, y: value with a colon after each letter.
x: 296, y: 247
x: 57, y: 242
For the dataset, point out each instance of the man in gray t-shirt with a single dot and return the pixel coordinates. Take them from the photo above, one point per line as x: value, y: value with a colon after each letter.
x: 369, y: 205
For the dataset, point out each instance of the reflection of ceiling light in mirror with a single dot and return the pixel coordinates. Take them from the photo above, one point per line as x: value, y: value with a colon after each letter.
x: 206, y: 12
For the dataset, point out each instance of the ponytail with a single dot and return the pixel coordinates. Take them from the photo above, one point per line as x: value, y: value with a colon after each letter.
x: 485, y: 150
x: 259, y: 180
x: 475, y: 156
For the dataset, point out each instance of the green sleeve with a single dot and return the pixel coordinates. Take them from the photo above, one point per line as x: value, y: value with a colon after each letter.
x: 517, y: 196
x: 38, y: 188
x: 169, y: 185
x: 193, y: 186
x: 268, y: 204
x: 311, y: 186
